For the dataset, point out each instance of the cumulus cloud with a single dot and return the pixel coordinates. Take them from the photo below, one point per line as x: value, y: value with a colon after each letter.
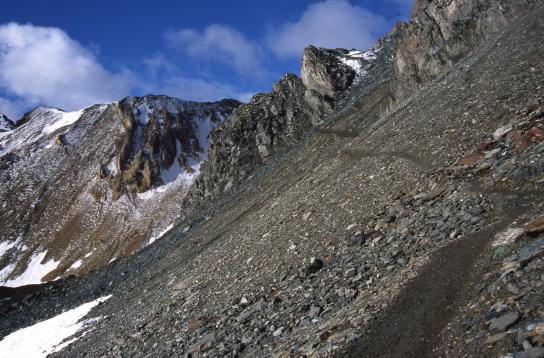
x: 195, y: 89
x: 220, y: 43
x: 165, y: 77
x: 331, y: 23
x: 43, y: 65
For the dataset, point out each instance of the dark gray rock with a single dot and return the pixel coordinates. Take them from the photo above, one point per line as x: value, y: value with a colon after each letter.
x: 505, y: 321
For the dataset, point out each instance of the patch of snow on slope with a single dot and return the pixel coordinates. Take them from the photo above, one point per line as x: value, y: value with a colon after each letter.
x: 5, y: 246
x: 356, y: 59
x: 64, y: 119
x: 356, y: 64
x: 51, y: 335
x: 34, y: 272
x: 76, y: 264
x: 5, y: 272
x: 161, y: 234
x: 177, y: 172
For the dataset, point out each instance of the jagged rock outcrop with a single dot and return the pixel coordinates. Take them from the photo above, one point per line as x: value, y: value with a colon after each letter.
x: 269, y: 123
x: 323, y: 71
x: 6, y: 124
x: 440, y: 33
x: 79, y: 189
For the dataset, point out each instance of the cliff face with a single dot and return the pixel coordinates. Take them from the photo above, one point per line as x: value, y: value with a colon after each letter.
x: 441, y: 32
x: 164, y: 137
x: 323, y: 72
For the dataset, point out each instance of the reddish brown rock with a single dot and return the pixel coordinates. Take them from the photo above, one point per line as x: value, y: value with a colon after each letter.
x: 519, y: 140
x: 535, y: 227
x: 472, y: 159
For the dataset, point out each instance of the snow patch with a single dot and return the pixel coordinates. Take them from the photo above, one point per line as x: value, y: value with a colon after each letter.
x: 5, y: 246
x: 64, y: 119
x: 76, y: 265
x: 161, y: 234
x: 34, y: 272
x: 357, y: 59
x: 49, y: 336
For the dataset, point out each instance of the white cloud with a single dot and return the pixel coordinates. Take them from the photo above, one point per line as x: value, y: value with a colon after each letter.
x: 195, y: 89
x: 220, y: 43
x: 43, y: 65
x: 331, y: 23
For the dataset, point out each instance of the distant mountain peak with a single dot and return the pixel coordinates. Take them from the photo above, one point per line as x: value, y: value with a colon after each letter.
x: 6, y: 124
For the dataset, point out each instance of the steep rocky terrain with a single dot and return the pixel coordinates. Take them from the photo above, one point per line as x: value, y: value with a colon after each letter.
x: 80, y: 189
x: 413, y: 234
x: 440, y: 33
x: 273, y: 122
x: 136, y: 161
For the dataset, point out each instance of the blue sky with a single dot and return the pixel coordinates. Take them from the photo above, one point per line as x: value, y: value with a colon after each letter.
x: 71, y: 54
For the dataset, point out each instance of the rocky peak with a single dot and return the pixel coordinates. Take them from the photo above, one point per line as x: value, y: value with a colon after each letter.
x: 6, y: 124
x: 323, y: 70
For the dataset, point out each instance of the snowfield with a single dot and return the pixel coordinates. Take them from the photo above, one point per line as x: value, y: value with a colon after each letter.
x: 33, y: 274
x: 51, y: 335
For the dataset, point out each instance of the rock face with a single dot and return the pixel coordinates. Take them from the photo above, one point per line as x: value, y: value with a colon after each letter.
x: 257, y: 130
x: 323, y: 71
x: 440, y: 33
x: 6, y: 124
x: 162, y: 141
x: 82, y: 188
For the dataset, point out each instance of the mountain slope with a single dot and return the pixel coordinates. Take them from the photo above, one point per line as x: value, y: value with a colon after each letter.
x: 80, y: 189
x: 364, y: 238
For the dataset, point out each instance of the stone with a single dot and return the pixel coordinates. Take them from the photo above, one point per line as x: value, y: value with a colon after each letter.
x: 507, y: 237
x: 356, y: 239
x: 535, y: 352
x: 536, y: 134
x: 535, y: 227
x: 314, y: 266
x: 532, y: 250
x: 472, y: 159
x: 520, y: 140
x: 314, y: 311
x: 504, y: 322
x: 502, y: 131
x: 495, y: 338
x: 245, y: 316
